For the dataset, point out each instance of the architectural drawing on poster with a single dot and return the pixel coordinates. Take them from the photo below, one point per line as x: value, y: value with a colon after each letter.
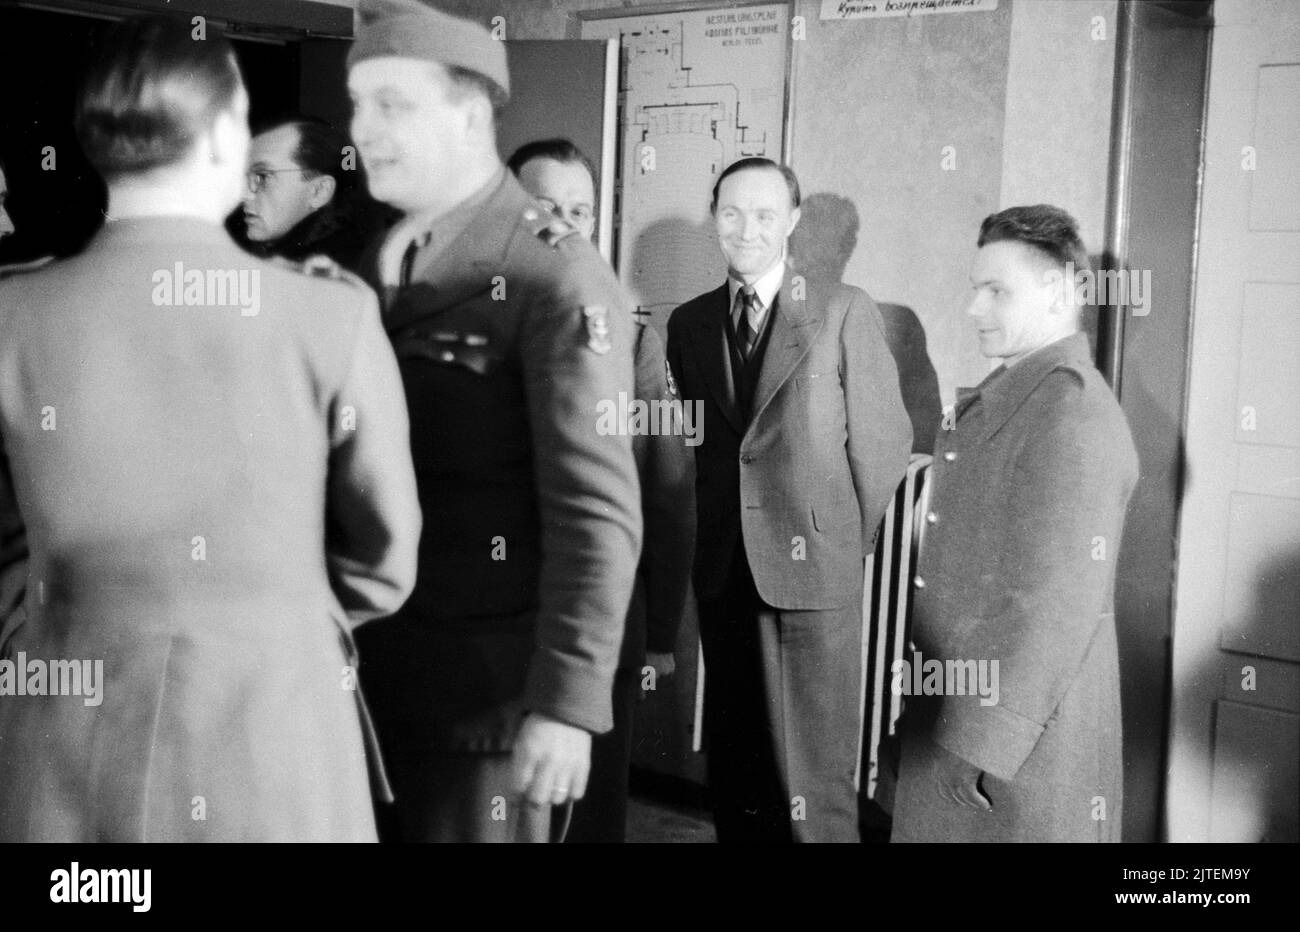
x: 698, y: 90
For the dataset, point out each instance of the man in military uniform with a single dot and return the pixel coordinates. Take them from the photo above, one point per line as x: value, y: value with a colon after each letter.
x: 557, y: 173
x: 489, y: 685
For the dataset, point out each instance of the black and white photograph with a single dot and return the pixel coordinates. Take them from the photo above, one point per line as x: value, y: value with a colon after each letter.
x: 740, y: 422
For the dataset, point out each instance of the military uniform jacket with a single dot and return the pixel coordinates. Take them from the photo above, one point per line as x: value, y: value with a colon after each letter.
x: 507, y: 347
x: 1017, y: 566
x: 213, y: 493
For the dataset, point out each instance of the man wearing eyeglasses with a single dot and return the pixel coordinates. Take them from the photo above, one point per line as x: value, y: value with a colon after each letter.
x: 560, y: 175
x: 300, y: 198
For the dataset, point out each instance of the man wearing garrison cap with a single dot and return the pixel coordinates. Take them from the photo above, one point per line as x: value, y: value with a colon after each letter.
x: 489, y: 684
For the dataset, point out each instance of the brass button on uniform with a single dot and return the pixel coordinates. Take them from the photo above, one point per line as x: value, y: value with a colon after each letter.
x: 950, y: 455
x: 932, y: 518
x: 918, y: 582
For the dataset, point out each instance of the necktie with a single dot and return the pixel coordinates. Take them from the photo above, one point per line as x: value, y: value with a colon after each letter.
x: 746, y: 332
x: 408, y: 261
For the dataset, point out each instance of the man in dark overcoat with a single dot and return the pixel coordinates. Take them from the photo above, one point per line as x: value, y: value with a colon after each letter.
x: 1011, y: 730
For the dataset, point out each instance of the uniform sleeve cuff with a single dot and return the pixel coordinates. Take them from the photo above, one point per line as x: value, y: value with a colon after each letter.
x: 570, y: 691
x: 993, y: 738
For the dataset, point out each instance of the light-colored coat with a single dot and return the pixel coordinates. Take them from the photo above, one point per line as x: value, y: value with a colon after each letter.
x: 211, y: 500
x: 1029, y: 492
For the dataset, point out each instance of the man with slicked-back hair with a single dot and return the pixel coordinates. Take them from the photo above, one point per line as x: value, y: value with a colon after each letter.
x: 209, y: 455
x: 806, y: 441
x: 1015, y: 586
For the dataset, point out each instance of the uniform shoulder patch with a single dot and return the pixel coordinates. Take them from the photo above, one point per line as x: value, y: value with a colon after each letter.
x: 597, y: 318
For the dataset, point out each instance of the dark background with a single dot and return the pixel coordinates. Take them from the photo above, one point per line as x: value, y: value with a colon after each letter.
x: 41, y: 54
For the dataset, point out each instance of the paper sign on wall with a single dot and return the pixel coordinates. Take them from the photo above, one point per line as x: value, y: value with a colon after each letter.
x: 879, y: 9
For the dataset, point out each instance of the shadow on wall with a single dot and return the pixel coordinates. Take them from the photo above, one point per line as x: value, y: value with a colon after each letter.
x: 1257, y: 748
x: 821, y: 247
x: 1250, y: 749
x: 672, y: 261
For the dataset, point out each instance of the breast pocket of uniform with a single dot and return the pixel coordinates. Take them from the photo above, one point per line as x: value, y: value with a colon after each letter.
x: 461, y: 349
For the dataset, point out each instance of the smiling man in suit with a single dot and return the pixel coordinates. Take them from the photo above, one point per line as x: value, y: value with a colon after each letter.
x: 805, y: 440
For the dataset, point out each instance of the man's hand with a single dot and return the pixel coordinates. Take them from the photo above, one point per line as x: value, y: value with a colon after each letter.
x: 959, y: 783
x: 551, y: 761
x: 664, y: 665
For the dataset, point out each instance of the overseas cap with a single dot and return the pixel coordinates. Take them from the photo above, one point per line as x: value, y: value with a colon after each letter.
x: 411, y: 29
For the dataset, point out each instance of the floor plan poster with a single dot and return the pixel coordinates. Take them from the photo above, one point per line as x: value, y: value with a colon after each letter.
x: 697, y: 90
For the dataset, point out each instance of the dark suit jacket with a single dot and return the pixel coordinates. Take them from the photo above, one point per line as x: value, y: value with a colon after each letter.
x: 532, y: 518
x: 211, y: 500
x: 805, y: 482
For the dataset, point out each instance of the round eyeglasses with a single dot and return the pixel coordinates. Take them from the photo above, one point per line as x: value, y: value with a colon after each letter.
x: 258, y: 177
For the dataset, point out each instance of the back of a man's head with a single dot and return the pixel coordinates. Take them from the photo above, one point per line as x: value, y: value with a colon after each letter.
x: 150, y: 93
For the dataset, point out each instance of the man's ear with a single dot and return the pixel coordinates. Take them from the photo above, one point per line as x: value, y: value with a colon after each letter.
x: 794, y: 220
x: 1060, y: 292
x: 479, y: 117
x: 228, y: 139
x: 322, y: 191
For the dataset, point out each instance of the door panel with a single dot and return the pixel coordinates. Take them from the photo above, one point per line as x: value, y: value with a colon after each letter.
x: 1236, y: 651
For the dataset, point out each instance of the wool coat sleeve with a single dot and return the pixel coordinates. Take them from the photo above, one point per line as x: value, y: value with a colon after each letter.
x: 575, y: 358
x: 1050, y: 580
x: 373, y: 521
